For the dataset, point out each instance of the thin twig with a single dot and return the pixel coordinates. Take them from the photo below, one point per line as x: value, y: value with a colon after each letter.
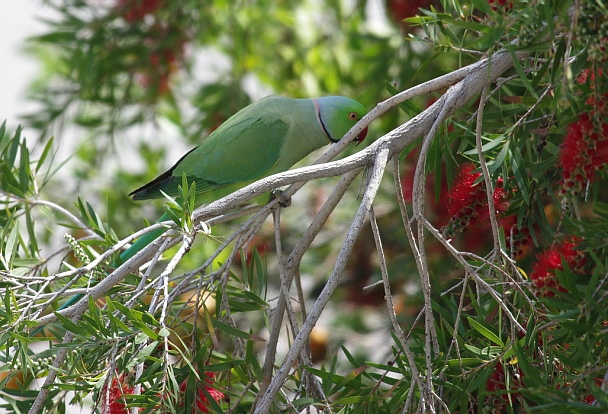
x: 467, y: 267
x: 484, y: 169
x: 389, y: 300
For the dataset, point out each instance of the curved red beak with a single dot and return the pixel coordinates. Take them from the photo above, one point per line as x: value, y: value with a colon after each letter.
x: 361, y: 136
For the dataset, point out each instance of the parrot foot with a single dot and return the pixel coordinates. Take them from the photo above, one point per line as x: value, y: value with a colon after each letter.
x: 280, y: 196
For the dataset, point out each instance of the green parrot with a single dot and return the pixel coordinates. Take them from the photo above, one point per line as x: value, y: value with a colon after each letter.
x: 264, y: 138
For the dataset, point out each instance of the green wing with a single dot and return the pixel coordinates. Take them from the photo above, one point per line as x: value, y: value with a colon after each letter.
x: 241, y: 150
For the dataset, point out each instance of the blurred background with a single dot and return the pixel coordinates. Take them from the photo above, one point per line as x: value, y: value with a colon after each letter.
x: 18, y: 21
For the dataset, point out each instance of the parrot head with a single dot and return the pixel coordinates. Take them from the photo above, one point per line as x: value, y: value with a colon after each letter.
x: 337, y: 115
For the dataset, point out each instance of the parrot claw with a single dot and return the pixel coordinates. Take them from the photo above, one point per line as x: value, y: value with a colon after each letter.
x: 280, y: 196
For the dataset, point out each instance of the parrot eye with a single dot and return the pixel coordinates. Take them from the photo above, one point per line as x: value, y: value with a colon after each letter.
x: 352, y: 116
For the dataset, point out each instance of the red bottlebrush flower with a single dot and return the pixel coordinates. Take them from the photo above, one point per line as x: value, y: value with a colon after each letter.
x: 468, y: 204
x: 468, y: 207
x: 202, y: 402
x: 590, y: 399
x: 466, y: 199
x: 588, y: 74
x: 165, y: 55
x: 575, y: 157
x: 135, y: 10
x: 550, y: 261
x: 499, y: 385
x: 501, y: 203
x: 503, y: 5
x: 584, y: 149
x: 259, y: 243
x: 519, y: 240
x: 158, y: 84
x: 112, y: 400
x: 402, y: 9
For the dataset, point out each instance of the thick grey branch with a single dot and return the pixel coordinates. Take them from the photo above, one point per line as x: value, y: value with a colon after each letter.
x: 331, y: 285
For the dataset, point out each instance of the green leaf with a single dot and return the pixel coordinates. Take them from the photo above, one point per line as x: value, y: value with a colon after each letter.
x: 488, y: 146
x: 31, y: 232
x: 141, y: 320
x: 14, y: 147
x: 465, y: 362
x: 305, y: 401
x: 531, y: 375
x: 24, y: 167
x: 143, y: 354
x: 230, y: 330
x: 519, y: 172
x: 45, y: 153
x: 493, y: 166
x: 245, y: 301
x: 407, y: 106
x: 328, y: 379
x: 261, y: 273
x: 487, y: 333
x: 523, y: 77
x: 488, y: 352
x: 69, y: 325
x: 93, y: 316
x: 11, y: 246
x: 348, y: 378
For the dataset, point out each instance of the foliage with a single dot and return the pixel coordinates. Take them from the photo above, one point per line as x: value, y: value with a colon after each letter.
x: 479, y: 285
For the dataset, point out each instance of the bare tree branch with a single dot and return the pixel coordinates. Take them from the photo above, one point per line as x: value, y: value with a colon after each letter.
x: 372, y: 186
